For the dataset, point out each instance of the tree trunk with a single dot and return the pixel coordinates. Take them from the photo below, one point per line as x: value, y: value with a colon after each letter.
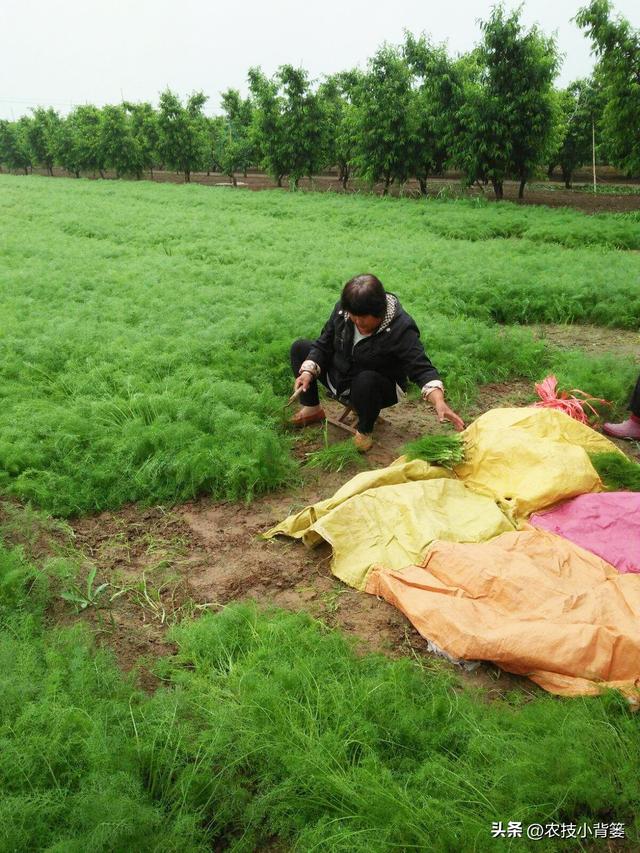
x: 234, y: 180
x: 244, y: 173
x: 423, y: 186
x: 187, y: 176
x: 498, y: 188
x: 550, y: 170
x: 151, y: 172
x: 280, y: 177
x: 77, y: 173
x: 101, y: 173
x: 26, y: 170
x: 345, y: 177
x: 50, y: 170
x: 523, y: 183
x: 387, y: 182
x: 566, y: 177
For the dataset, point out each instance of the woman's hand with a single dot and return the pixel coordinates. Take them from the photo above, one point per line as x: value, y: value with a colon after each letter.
x: 444, y: 413
x: 303, y: 381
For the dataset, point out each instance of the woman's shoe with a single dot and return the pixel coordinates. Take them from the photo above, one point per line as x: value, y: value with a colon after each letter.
x: 299, y: 420
x: 363, y: 441
x: 627, y: 429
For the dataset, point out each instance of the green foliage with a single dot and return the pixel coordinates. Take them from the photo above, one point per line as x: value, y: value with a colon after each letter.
x: 70, y: 774
x: 491, y: 113
x: 14, y: 146
x: 335, y: 457
x: 84, y: 124
x: 384, y: 119
x: 289, y: 127
x: 617, y: 472
x: 508, y: 116
x: 87, y: 595
x: 67, y: 151
x: 234, y: 149
x: 146, y: 135
x: 336, y: 103
x: 144, y: 337
x: 23, y: 589
x: 446, y: 450
x: 43, y: 137
x: 476, y: 221
x: 182, y: 137
x: 580, y: 109
x: 120, y: 149
x: 618, y: 46
x: 435, y: 103
x: 316, y: 746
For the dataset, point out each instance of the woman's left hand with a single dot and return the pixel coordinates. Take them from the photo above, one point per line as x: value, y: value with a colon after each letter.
x: 444, y: 413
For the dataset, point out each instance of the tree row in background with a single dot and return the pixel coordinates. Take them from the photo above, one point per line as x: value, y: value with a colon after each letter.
x: 492, y: 114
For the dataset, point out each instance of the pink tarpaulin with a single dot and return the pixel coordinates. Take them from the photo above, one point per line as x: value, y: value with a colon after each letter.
x: 607, y: 524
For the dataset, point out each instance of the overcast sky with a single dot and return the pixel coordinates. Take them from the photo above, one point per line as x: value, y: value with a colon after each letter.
x: 66, y: 52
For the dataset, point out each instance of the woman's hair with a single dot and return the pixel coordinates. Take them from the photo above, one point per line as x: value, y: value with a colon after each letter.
x: 364, y: 294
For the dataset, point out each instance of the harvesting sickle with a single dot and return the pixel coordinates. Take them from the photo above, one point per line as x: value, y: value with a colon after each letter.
x: 367, y: 351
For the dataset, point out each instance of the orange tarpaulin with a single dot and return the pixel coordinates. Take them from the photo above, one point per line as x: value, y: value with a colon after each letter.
x: 530, y: 601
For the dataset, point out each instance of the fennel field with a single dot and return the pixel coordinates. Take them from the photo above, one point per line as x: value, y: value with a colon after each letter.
x: 144, y: 336
x: 145, y: 328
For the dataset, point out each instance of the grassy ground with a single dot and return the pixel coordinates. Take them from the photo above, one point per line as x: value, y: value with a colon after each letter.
x: 271, y: 729
x: 146, y: 327
x: 144, y: 333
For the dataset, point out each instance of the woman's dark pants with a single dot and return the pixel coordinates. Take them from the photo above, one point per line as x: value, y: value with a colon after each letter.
x: 634, y: 405
x: 370, y: 391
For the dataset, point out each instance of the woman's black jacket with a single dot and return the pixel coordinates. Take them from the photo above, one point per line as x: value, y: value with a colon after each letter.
x: 395, y: 350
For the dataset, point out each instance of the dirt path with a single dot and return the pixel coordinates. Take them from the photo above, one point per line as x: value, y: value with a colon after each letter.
x: 556, y: 196
x: 593, y: 340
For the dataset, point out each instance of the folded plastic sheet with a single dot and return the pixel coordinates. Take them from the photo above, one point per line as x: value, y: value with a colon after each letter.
x: 522, y: 459
x: 393, y: 524
x: 607, y: 524
x: 400, y: 472
x: 529, y: 459
x: 530, y: 601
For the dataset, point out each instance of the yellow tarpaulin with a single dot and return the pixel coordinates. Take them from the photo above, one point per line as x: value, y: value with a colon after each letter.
x: 523, y: 459
x: 393, y: 525
x: 405, y: 472
x: 528, y: 459
x: 530, y: 601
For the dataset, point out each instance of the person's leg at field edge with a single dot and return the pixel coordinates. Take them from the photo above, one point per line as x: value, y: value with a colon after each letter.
x: 631, y: 427
x: 370, y: 392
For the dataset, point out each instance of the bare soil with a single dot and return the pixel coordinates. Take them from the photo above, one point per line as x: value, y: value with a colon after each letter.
x: 591, y: 339
x: 449, y: 183
x: 166, y: 564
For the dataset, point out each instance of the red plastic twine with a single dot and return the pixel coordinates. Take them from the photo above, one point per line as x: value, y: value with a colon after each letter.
x: 566, y: 401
